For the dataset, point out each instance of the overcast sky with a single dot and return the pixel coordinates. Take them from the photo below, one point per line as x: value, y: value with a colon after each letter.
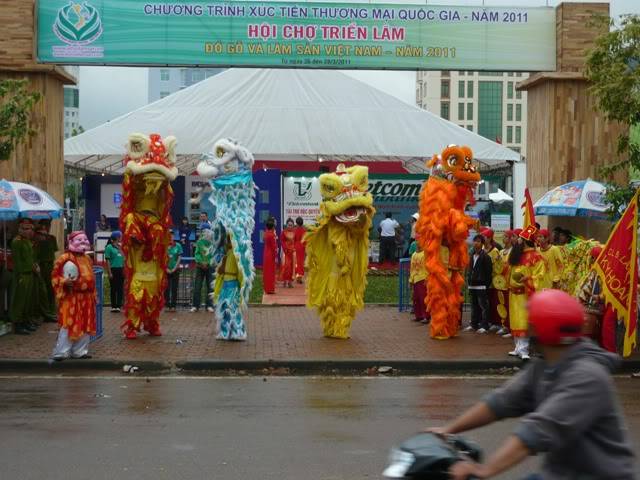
x: 108, y: 92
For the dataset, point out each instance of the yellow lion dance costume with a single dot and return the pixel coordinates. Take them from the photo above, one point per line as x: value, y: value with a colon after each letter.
x: 442, y: 231
x: 145, y: 221
x: 338, y: 249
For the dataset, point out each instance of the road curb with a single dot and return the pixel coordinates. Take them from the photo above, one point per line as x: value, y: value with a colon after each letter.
x: 34, y: 365
x: 351, y: 367
x: 283, y: 367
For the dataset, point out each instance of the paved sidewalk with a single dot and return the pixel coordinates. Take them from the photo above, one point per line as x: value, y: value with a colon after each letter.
x: 286, y: 296
x: 275, y: 333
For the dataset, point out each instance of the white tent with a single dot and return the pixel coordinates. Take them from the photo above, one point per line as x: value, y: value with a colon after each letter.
x: 284, y: 114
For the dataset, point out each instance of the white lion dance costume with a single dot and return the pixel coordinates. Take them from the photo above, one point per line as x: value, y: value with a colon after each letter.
x: 338, y: 249
x: 228, y: 169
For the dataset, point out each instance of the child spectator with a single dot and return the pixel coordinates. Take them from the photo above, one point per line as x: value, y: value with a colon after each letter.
x: 417, y: 278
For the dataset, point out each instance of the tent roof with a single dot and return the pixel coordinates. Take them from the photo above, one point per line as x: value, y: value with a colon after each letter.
x: 283, y: 114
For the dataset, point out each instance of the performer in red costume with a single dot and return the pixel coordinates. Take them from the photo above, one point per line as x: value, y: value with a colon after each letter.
x: 298, y: 237
x: 287, y: 239
x: 269, y: 255
x: 74, y: 287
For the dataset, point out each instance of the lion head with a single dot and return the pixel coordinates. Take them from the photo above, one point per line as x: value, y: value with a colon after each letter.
x: 345, y: 193
x: 226, y: 158
x: 151, y: 154
x: 456, y: 164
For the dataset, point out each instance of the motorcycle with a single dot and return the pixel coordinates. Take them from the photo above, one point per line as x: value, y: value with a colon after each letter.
x: 428, y: 456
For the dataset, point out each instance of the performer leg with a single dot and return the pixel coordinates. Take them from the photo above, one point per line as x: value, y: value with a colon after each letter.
x: 63, y: 346
x: 80, y: 348
x: 230, y: 325
x: 524, y: 348
x: 419, y: 307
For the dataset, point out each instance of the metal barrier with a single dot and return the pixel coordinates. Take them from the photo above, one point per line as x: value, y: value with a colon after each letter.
x: 405, y: 302
x: 98, y: 273
x: 405, y: 297
x: 186, y: 283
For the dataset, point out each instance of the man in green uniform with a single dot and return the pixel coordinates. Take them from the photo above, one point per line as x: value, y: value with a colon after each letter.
x: 203, y: 256
x: 46, y: 248
x: 24, y: 283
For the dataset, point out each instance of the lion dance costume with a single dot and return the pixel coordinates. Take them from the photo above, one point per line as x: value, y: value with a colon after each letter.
x: 145, y: 221
x: 74, y: 286
x: 442, y: 231
x: 338, y: 249
x: 228, y: 169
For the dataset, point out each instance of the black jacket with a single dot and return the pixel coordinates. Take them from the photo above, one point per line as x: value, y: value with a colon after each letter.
x: 481, y: 273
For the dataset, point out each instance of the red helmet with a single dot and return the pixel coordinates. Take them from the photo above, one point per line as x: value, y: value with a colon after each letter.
x: 556, y: 316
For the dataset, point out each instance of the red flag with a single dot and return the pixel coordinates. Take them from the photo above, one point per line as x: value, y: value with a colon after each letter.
x: 617, y: 267
x: 529, y: 219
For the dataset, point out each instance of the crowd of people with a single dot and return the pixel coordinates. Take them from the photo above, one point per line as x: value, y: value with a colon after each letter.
x: 291, y: 259
x: 501, y: 278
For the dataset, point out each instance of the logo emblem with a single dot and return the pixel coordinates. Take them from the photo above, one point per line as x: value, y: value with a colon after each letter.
x: 302, y: 190
x: 30, y: 196
x: 597, y: 199
x: 78, y: 24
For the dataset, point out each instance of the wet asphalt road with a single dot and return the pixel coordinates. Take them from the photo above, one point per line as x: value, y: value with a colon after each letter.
x: 230, y: 428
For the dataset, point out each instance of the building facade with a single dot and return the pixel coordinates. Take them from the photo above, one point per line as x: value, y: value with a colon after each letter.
x: 165, y: 81
x: 72, y: 104
x: 484, y: 102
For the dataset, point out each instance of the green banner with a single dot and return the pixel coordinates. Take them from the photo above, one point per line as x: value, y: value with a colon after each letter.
x: 299, y: 35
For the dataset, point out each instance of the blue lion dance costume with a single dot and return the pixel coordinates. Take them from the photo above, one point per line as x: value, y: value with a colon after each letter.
x: 228, y: 170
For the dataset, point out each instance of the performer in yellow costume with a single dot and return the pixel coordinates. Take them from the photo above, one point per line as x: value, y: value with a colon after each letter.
x: 554, y: 258
x: 338, y: 249
x: 145, y: 221
x: 527, y: 272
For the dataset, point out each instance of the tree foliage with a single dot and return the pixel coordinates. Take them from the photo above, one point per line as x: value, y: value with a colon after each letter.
x: 16, y: 104
x: 613, y: 68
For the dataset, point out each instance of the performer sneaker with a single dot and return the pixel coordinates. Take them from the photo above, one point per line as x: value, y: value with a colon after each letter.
x: 469, y: 329
x: 507, y: 335
x: 493, y: 328
x: 514, y: 353
x: 481, y: 330
x: 525, y: 356
x: 210, y: 309
x: 502, y: 331
x: 193, y: 310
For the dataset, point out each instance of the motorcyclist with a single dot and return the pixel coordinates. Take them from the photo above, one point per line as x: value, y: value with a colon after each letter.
x: 567, y: 401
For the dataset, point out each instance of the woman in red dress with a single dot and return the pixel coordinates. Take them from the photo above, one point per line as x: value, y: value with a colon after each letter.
x: 287, y: 239
x: 299, y: 234
x: 269, y: 255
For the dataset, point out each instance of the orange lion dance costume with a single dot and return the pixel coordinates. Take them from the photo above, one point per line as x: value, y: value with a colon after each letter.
x: 145, y: 222
x: 442, y: 231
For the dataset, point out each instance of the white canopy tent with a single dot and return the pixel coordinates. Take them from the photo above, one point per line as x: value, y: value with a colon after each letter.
x: 282, y: 114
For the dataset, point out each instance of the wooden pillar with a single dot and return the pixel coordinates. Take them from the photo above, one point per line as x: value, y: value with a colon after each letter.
x: 39, y: 160
x: 567, y: 138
